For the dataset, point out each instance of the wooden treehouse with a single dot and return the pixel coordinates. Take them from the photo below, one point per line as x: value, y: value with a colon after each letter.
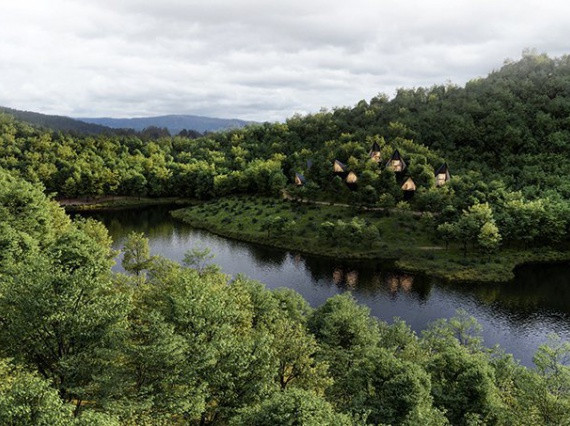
x: 409, y: 188
x: 374, y: 153
x: 339, y: 168
x: 299, y: 179
x: 351, y: 180
x: 442, y: 175
x: 396, y: 162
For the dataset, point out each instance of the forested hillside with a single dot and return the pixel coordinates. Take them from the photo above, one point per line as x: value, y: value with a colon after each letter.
x: 57, y: 122
x: 167, y: 344
x: 513, y: 124
x: 505, y: 139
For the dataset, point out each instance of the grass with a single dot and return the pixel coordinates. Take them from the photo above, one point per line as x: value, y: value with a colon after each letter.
x: 404, y: 238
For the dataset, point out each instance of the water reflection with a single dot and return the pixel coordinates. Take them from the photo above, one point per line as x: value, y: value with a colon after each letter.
x: 518, y: 315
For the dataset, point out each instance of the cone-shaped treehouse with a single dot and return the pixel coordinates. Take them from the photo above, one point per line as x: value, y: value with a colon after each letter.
x: 339, y: 168
x: 299, y: 179
x: 396, y: 162
x: 351, y: 180
x: 442, y: 175
x: 409, y: 185
x: 374, y: 153
x: 409, y: 188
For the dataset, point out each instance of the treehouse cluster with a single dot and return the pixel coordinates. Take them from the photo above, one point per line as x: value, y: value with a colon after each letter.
x: 395, y: 163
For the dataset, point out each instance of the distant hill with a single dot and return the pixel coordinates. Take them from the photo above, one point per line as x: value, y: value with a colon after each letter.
x: 57, y: 122
x: 174, y: 123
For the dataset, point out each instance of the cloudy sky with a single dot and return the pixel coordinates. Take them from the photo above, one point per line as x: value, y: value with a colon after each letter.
x: 255, y: 59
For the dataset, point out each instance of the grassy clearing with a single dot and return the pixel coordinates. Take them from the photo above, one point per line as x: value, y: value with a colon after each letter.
x: 243, y: 218
x: 404, y: 238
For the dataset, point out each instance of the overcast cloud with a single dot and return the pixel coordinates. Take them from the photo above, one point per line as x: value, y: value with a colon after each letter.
x: 255, y: 59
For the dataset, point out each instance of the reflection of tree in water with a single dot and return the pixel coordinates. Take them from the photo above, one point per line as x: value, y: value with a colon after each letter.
x: 535, y: 288
x: 154, y: 222
x: 266, y: 256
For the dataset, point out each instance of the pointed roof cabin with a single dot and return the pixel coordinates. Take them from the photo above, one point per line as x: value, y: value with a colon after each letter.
x: 409, y: 185
x: 351, y: 178
x: 442, y: 175
x: 374, y: 153
x: 299, y: 179
x: 339, y: 168
x: 409, y: 189
x: 396, y: 162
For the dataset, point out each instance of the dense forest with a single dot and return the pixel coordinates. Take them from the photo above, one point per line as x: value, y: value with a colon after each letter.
x: 505, y: 138
x: 170, y: 344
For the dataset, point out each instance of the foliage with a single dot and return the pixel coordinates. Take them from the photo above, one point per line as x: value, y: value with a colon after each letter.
x: 187, y: 346
x: 136, y: 254
x: 290, y: 408
x: 89, y: 347
x: 25, y: 398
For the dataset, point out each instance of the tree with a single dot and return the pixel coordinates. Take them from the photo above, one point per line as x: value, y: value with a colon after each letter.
x: 447, y: 232
x: 346, y: 333
x: 151, y: 381
x: 489, y: 238
x: 470, y: 223
x: 370, y: 234
x: 461, y: 329
x: 388, y: 185
x: 274, y: 225
x: 27, y: 399
x: 547, y: 391
x: 198, y: 259
x: 327, y: 231
x: 368, y: 195
x: 60, y: 312
x: 136, y: 254
x: 463, y: 386
x: 292, y: 407
x: 390, y: 390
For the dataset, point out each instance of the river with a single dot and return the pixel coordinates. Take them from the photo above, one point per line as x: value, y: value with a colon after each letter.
x: 518, y: 315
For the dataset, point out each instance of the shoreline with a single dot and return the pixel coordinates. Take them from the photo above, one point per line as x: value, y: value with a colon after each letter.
x: 118, y: 202
x: 420, y: 258
x: 460, y: 275
x: 413, y: 250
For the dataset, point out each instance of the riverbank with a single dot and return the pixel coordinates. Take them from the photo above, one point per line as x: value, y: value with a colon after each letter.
x: 402, y: 237
x: 117, y: 202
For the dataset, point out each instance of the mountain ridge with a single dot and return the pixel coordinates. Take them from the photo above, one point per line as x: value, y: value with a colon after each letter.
x: 175, y: 123
x: 56, y: 122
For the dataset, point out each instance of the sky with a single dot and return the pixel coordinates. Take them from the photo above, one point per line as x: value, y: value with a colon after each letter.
x: 262, y: 60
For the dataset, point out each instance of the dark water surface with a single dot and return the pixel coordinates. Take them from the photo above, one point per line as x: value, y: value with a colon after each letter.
x: 518, y: 315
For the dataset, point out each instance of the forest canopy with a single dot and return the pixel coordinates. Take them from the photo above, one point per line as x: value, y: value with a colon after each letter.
x: 169, y: 344
x: 504, y: 140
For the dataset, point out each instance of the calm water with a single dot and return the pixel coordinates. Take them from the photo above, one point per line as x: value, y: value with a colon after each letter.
x: 518, y: 315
